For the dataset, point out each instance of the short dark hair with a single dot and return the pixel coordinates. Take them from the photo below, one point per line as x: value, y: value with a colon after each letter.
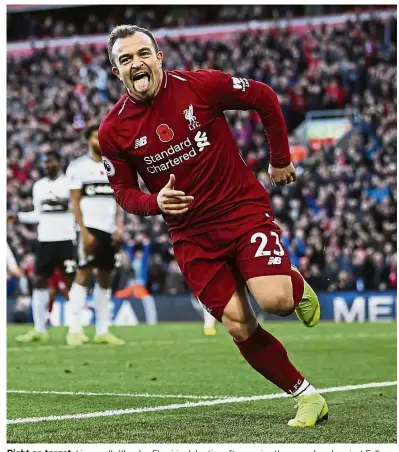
x: 53, y: 154
x: 124, y: 31
x: 90, y: 130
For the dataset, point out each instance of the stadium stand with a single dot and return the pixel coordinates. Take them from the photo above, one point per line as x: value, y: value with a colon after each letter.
x: 37, y: 21
x: 339, y: 219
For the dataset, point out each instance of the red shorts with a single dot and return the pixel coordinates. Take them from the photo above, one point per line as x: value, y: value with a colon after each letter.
x: 214, y: 263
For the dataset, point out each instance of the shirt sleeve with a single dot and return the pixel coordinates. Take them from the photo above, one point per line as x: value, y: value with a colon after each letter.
x: 74, y: 179
x: 122, y: 176
x: 225, y: 92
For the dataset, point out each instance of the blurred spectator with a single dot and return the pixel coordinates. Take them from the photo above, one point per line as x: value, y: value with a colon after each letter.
x: 157, y: 272
x: 77, y: 20
x: 84, y: 19
x: 124, y: 275
x: 174, y: 283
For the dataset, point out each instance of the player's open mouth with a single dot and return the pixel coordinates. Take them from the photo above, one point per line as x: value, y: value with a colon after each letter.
x: 141, y: 81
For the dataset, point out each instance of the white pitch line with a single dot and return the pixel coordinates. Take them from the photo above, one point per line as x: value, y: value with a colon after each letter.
x: 115, y: 394
x: 296, y: 338
x: 189, y: 404
x: 99, y: 347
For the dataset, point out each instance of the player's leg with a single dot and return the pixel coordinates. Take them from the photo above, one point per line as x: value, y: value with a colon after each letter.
x: 105, y: 261
x: 40, y: 295
x: 265, y: 266
x: 281, y: 294
x: 209, y: 320
x: 78, y: 292
x: 40, y: 300
x: 76, y: 302
x: 266, y: 354
x: 209, y: 324
x: 77, y: 281
x: 260, y: 253
x: 67, y: 262
x: 68, y: 265
x: 205, y: 264
x: 101, y: 297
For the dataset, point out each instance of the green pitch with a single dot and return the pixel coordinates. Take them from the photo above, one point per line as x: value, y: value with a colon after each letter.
x: 173, y: 383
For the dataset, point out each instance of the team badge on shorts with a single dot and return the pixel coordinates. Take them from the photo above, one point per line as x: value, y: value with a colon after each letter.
x: 165, y: 133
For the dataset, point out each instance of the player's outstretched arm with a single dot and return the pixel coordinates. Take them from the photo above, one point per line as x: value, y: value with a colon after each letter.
x: 171, y: 201
x: 226, y: 92
x: 33, y: 216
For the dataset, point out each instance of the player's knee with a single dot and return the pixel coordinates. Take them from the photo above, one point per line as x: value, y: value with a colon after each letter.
x: 82, y: 277
x: 284, y: 303
x: 104, y: 278
x: 240, y: 330
x: 279, y: 302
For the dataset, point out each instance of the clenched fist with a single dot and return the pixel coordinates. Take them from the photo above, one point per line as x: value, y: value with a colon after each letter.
x: 171, y: 201
x: 282, y: 176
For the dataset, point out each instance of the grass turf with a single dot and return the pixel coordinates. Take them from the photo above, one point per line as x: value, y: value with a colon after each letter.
x: 175, y: 359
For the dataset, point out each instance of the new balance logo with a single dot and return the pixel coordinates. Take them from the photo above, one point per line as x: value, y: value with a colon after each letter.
x: 202, y: 140
x: 274, y: 260
x: 140, y: 142
x: 240, y: 83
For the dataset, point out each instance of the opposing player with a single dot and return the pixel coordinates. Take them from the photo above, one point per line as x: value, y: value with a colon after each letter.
x: 100, y: 221
x: 170, y: 128
x: 209, y: 320
x: 209, y: 324
x: 56, y: 247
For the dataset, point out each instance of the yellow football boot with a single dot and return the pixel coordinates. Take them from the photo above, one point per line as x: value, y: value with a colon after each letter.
x: 76, y: 338
x: 312, y: 409
x: 33, y: 336
x: 108, y: 338
x: 308, y: 309
x: 210, y: 331
x: 84, y: 337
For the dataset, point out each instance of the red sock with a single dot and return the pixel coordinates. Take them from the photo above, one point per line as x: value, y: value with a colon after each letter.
x: 297, y: 287
x: 268, y: 356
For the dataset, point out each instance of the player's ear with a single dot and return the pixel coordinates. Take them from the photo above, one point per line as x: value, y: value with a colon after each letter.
x: 160, y: 58
x: 116, y: 72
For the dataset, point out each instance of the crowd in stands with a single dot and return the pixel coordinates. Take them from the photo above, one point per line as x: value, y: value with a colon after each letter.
x: 338, y: 220
x: 86, y: 20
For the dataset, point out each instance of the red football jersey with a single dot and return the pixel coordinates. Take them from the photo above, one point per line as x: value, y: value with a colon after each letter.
x: 183, y: 131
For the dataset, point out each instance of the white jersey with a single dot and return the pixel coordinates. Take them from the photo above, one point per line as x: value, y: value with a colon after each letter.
x: 98, y: 204
x: 51, y: 210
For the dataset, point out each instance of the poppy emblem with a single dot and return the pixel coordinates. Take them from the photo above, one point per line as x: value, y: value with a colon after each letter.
x: 165, y: 133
